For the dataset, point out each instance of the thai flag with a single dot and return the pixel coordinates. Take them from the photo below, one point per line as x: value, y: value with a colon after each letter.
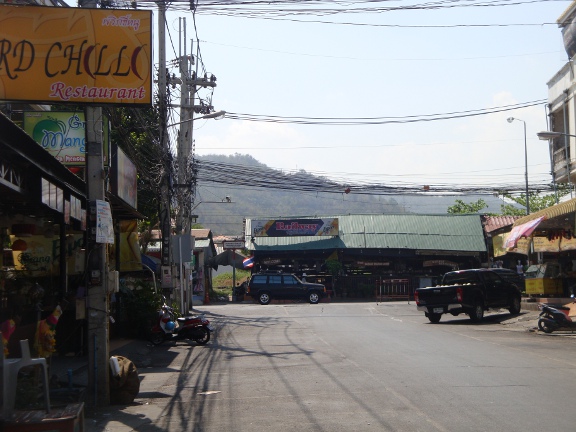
x: 248, y: 262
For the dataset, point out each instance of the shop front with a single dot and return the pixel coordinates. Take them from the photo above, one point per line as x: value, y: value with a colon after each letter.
x: 369, y: 256
x: 547, y: 241
x: 42, y: 225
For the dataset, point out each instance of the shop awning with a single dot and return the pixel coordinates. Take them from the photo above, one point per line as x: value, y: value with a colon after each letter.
x: 550, y: 212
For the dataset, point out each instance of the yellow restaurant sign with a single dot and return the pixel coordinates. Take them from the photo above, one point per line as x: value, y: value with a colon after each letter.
x: 75, y: 55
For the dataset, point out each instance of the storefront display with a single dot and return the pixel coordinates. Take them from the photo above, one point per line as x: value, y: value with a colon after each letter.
x: 544, y: 279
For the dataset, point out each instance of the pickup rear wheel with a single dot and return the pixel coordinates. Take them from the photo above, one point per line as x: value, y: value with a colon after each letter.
x: 515, y: 306
x: 434, y: 317
x: 477, y: 312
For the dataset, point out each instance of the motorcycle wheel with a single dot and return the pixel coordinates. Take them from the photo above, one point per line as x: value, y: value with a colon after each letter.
x: 544, y: 326
x: 156, y: 338
x: 202, y: 336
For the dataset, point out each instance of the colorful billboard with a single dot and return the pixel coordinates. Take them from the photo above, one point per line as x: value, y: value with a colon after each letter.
x: 62, y: 134
x: 75, y: 55
x: 295, y: 227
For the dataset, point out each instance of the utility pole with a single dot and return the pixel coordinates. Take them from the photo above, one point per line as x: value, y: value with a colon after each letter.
x: 97, y: 299
x: 163, y: 132
x: 183, y: 225
x: 97, y: 307
x: 190, y: 82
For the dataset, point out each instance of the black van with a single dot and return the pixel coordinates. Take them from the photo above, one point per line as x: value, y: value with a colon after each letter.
x: 283, y: 286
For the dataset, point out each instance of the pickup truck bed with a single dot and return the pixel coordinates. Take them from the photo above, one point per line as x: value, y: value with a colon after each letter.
x: 468, y: 291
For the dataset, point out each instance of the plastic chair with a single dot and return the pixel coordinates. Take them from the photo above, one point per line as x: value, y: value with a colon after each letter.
x: 11, y: 367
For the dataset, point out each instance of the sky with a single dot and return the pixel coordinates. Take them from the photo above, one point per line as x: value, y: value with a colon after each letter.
x: 427, y: 62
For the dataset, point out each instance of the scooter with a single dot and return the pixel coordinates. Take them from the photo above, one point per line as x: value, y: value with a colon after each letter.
x: 194, y: 327
x: 552, y: 319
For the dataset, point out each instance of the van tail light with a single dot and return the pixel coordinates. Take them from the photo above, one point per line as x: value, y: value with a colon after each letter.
x: 417, y: 298
x: 459, y: 295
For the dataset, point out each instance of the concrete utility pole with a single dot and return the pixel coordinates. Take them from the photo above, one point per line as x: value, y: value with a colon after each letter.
x: 183, y: 224
x: 165, y: 180
x: 97, y: 307
x: 190, y: 82
x: 97, y: 298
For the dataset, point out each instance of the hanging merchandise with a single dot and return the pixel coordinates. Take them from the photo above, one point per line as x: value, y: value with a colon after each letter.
x: 45, y: 343
x: 7, y: 328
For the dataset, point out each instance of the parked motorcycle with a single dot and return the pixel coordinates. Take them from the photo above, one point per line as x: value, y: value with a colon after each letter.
x: 194, y: 327
x: 552, y: 319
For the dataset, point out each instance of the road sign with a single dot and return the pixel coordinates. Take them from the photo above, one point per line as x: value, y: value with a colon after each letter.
x: 233, y: 245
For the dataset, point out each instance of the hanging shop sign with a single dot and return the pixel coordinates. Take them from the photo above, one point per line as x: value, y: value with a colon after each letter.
x: 295, y: 227
x: 124, y: 177
x: 63, y: 135
x: 546, y: 244
x: 75, y: 55
x: 568, y: 244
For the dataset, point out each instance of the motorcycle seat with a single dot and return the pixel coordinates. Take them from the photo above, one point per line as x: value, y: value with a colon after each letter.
x: 182, y: 319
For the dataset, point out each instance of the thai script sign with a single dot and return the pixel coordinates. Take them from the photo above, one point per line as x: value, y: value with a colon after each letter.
x: 62, y: 134
x: 104, y: 223
x: 75, y: 55
x: 233, y: 245
x: 295, y: 227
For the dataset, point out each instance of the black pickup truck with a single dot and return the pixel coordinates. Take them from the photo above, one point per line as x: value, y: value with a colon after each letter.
x: 468, y: 291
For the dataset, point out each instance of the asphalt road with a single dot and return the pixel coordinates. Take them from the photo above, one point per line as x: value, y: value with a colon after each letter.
x: 358, y: 367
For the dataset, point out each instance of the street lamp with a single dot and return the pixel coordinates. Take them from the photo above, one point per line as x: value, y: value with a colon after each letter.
x: 550, y: 135
x: 510, y: 120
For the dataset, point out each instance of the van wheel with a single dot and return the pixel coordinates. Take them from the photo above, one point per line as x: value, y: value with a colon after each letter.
x: 313, y: 297
x: 477, y: 312
x: 264, y: 298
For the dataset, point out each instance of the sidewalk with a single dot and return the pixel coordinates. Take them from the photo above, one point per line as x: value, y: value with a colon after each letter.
x: 134, y: 349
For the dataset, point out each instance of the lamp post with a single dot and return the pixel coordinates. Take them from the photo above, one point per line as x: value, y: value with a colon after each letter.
x: 510, y: 120
x: 550, y: 135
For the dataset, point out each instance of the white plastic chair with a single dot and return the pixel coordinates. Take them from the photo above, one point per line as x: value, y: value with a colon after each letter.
x: 11, y: 367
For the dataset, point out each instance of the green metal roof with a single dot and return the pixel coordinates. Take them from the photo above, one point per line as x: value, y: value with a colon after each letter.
x: 458, y: 233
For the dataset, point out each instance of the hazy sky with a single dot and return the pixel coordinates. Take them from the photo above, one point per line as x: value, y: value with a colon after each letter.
x: 443, y: 61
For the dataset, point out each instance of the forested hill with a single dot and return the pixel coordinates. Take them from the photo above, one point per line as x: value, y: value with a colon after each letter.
x: 263, y: 200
